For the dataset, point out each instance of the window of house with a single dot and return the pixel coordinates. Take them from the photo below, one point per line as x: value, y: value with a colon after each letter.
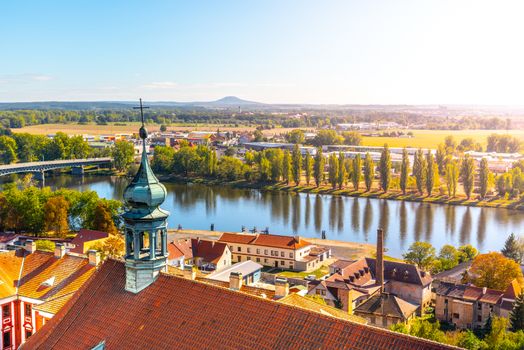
x: 258, y: 259
x: 479, y: 306
x: 323, y: 292
x: 27, y: 310
x: 258, y: 251
x: 6, y: 339
x: 479, y: 318
x: 249, y: 250
x: 282, y: 263
x: 455, y: 315
x: 239, y: 249
x: 282, y: 254
x: 6, y: 311
x: 291, y: 255
x: 28, y: 333
x: 265, y: 260
x: 265, y: 251
x: 318, y: 291
x: 248, y: 258
x: 446, y: 301
x: 290, y: 265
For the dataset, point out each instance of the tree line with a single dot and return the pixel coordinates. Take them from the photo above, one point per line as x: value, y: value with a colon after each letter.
x: 25, y: 208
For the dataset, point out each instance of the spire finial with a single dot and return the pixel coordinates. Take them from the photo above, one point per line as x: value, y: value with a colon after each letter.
x: 143, y: 131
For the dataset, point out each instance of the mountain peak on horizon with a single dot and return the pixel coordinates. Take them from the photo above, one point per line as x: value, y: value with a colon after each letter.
x: 233, y: 100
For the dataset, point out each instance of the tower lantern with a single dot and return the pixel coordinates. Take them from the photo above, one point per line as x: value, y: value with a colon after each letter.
x: 145, y: 223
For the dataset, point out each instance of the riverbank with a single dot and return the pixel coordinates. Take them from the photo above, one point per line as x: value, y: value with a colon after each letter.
x: 495, y: 202
x: 339, y: 249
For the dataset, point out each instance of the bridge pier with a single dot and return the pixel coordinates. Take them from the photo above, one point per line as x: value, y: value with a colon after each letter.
x: 40, y: 176
x: 77, y: 170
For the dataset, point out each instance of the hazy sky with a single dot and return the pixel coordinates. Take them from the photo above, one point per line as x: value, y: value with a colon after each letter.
x: 385, y: 52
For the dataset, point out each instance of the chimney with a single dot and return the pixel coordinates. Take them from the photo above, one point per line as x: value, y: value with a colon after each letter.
x: 59, y: 250
x: 30, y: 246
x: 94, y: 257
x: 297, y: 239
x: 235, y: 280
x: 379, y: 267
x: 281, y: 287
x: 189, y: 272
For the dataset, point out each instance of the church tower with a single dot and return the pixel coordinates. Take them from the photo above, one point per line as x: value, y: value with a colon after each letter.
x: 145, y: 224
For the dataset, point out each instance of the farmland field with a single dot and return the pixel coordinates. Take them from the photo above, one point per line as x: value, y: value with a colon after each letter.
x: 421, y: 138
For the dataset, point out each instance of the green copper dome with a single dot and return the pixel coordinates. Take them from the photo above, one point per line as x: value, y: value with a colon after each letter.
x: 145, y: 191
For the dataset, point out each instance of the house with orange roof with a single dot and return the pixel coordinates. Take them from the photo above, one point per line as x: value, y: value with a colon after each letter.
x: 209, y: 254
x: 180, y: 253
x: 468, y: 306
x: 85, y: 239
x: 34, y: 286
x: 285, y: 252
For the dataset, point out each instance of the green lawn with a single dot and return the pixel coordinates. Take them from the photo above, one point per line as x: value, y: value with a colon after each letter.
x: 321, y: 271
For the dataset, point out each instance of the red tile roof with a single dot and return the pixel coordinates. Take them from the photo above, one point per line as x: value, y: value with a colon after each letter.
x: 84, y: 236
x: 275, y: 241
x: 209, y: 251
x: 181, y: 248
x: 185, y: 314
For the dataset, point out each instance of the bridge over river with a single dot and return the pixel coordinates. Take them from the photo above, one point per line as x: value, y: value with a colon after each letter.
x: 39, y: 168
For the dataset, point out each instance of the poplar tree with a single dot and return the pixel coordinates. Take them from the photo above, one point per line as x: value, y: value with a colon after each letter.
x: 385, y: 168
x: 287, y: 167
x: 452, y: 175
x: 369, y: 171
x: 404, y: 171
x: 348, y: 164
x: 440, y: 158
x: 308, y: 165
x: 356, y: 176
x: 419, y: 171
x: 341, y: 170
x: 430, y: 172
x: 333, y: 170
x: 516, y: 317
x: 297, y: 164
x: 484, y: 178
x: 467, y: 173
x: 318, y: 169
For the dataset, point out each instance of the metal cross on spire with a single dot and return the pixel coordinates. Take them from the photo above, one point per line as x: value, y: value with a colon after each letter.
x: 141, y: 107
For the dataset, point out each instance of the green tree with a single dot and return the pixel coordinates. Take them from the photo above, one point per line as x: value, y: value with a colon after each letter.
x: 467, y: 253
x: 431, y: 173
x: 484, y: 178
x: 333, y: 170
x: 452, y: 175
x: 77, y: 148
x: 419, y: 171
x: 319, y: 165
x: 467, y: 173
x: 123, y: 154
x: 230, y: 168
x: 357, y: 172
x: 296, y: 136
x: 421, y: 254
x: 440, y: 158
x: 385, y: 168
x: 513, y: 248
x: 163, y: 128
x: 264, y: 168
x: 352, y: 138
x: 341, y: 174
x: 448, y: 257
x: 516, y: 316
x: 327, y: 137
x: 7, y: 150
x: 297, y: 164
x: 404, y: 171
x: 276, y: 157
x: 287, y: 167
x: 369, y: 171
x: 258, y: 136
x: 163, y: 159
x: 308, y: 165
x: 186, y: 161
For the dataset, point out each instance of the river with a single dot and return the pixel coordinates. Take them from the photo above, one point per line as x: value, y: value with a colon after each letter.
x: 196, y: 206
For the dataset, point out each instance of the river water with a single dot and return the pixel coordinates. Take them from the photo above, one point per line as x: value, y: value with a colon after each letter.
x: 197, y: 206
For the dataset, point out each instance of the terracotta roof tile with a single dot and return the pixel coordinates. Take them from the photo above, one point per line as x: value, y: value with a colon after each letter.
x: 265, y: 240
x: 209, y: 251
x: 84, y: 236
x: 184, y: 314
x: 180, y: 248
x: 387, y: 304
x: 10, y: 265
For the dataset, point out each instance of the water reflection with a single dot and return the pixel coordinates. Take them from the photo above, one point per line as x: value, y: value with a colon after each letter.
x: 351, y: 219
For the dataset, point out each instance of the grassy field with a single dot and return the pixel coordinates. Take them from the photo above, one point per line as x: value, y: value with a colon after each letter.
x: 431, y: 138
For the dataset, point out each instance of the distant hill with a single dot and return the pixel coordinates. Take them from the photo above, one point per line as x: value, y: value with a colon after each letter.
x: 225, y: 102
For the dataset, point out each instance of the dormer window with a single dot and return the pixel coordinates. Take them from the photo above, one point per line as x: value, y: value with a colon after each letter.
x: 48, y: 282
